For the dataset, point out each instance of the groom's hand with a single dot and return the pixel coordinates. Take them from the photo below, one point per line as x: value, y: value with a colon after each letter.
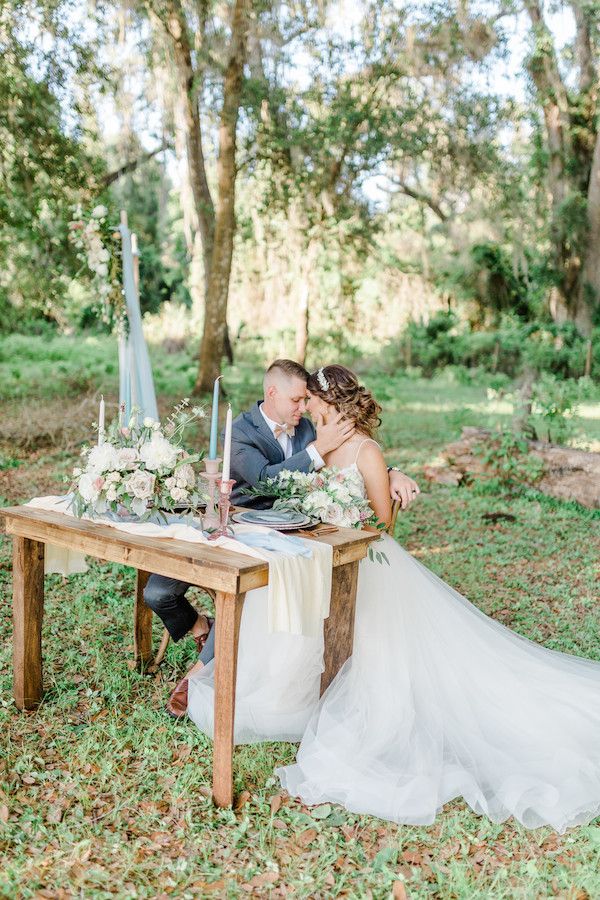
x: 332, y: 435
x: 403, y: 488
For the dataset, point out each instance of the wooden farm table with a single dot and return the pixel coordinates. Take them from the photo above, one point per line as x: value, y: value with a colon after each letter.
x: 229, y: 574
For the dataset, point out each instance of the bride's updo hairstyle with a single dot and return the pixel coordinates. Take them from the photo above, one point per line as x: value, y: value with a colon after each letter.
x: 340, y: 387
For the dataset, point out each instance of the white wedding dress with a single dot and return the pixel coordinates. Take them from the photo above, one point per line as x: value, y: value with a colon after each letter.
x: 438, y: 701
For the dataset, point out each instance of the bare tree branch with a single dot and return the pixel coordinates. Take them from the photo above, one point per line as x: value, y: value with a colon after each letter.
x: 419, y: 196
x: 134, y: 164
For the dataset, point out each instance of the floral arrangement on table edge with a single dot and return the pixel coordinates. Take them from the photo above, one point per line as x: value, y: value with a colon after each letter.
x: 140, y: 469
x: 94, y: 237
x: 327, y: 496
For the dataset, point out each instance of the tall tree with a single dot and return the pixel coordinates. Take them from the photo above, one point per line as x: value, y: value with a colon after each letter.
x: 570, y: 114
x: 214, y: 220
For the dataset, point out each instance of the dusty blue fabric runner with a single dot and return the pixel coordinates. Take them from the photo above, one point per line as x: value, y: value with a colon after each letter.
x: 136, y: 387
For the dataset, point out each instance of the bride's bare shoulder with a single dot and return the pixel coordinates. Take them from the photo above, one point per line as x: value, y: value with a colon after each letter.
x: 370, y: 455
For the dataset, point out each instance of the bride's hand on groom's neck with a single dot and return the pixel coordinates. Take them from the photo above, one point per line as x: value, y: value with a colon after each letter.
x: 332, y: 434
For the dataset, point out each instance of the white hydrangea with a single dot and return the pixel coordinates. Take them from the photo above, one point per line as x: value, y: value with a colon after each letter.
x: 318, y: 501
x: 86, y: 487
x: 158, y: 452
x: 126, y: 458
x: 102, y: 458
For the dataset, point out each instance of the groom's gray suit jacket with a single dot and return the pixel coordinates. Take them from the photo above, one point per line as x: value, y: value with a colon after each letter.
x: 256, y: 454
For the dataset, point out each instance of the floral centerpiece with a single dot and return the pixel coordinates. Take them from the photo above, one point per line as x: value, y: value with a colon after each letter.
x: 329, y: 496
x: 326, y: 496
x: 139, y: 468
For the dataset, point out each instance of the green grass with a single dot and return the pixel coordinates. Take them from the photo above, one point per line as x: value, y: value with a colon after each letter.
x: 101, y: 794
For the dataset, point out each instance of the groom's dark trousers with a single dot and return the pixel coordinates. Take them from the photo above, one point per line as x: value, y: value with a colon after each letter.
x: 255, y: 455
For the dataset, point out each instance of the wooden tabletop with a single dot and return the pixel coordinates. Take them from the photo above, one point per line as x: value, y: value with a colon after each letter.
x: 201, y: 564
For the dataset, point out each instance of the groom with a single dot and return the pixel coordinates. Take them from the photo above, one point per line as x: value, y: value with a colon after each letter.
x: 273, y: 435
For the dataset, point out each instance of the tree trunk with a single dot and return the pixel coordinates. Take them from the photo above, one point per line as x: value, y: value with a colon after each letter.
x: 589, y: 296
x: 172, y: 18
x: 215, y: 321
x: 302, y: 323
x: 308, y: 258
x: 569, y: 167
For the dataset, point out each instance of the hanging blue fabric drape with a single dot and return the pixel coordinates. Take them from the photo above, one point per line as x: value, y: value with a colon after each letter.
x: 136, y: 386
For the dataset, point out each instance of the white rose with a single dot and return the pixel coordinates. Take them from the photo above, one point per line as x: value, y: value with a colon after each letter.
x: 334, y: 514
x: 113, y: 476
x: 111, y: 494
x: 185, y: 475
x: 102, y: 458
x: 158, y: 453
x: 126, y: 458
x: 170, y: 483
x: 140, y: 484
x: 352, y: 515
x: 99, y: 211
x: 149, y: 422
x: 179, y: 494
x: 101, y: 269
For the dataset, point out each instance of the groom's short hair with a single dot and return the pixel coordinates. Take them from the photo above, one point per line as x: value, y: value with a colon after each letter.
x: 286, y: 367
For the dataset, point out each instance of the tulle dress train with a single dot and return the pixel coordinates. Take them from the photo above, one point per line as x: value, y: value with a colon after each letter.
x: 438, y: 701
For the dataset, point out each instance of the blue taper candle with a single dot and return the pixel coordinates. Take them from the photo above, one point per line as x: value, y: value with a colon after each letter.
x: 214, y: 422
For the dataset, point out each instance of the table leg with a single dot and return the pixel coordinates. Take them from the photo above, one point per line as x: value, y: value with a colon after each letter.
x: 142, y: 622
x: 228, y: 608
x: 28, y: 612
x: 339, y: 626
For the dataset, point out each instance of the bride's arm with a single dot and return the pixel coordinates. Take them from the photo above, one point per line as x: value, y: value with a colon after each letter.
x: 373, y: 469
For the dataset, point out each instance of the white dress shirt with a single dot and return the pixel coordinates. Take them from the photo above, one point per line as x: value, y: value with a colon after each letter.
x: 285, y: 442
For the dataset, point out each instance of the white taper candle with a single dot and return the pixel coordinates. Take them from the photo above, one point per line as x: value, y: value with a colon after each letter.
x: 227, y: 447
x: 101, y: 421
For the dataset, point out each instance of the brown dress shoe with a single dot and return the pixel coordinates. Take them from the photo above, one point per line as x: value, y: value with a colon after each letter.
x: 200, y: 639
x: 177, y: 703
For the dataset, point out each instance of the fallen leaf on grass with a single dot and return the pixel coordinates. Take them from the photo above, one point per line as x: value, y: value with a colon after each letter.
x: 275, y: 802
x: 306, y: 837
x: 261, y: 880
x: 241, y: 800
x: 399, y: 891
x: 4, y: 813
x: 210, y: 886
x: 55, y: 814
x: 321, y: 812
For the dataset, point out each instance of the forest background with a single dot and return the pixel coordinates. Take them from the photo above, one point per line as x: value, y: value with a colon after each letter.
x: 321, y: 179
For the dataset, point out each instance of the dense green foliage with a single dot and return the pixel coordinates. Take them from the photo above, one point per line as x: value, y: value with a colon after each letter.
x: 388, y: 167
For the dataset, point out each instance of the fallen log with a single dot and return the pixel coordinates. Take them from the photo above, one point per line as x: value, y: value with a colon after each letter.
x: 567, y: 473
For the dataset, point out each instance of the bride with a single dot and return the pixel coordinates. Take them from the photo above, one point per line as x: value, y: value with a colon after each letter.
x: 438, y: 701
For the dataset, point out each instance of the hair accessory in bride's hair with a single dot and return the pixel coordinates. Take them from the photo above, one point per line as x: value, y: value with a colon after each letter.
x: 323, y: 383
